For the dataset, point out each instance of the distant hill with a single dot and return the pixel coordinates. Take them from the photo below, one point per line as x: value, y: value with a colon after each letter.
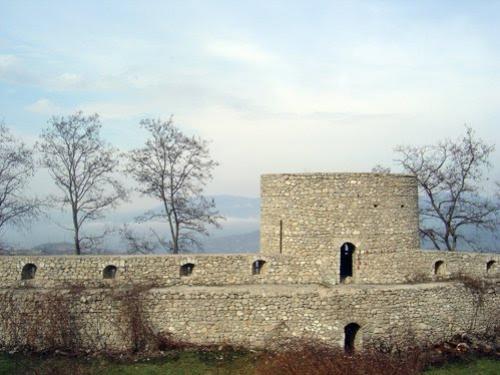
x: 239, y: 233
x: 235, y: 206
x: 237, y: 243
x: 54, y: 248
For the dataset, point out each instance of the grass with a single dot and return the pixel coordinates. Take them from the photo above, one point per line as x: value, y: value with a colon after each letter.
x: 182, y: 363
x: 188, y: 363
x: 475, y: 367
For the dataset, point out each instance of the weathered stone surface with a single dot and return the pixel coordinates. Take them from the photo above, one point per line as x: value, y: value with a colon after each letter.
x: 318, y: 212
x: 395, y: 290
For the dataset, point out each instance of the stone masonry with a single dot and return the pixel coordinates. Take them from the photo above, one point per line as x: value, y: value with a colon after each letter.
x: 294, y: 287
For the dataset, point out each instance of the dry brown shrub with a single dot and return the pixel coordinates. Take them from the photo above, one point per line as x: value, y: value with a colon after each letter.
x: 41, y: 323
x: 135, y: 325
x: 312, y: 358
x: 37, y: 321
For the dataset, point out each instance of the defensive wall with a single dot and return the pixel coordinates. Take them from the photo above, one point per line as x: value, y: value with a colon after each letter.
x: 264, y: 315
x: 339, y: 261
x: 238, y: 269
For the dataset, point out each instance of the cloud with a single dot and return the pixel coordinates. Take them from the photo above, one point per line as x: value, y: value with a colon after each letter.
x: 113, y: 111
x: 239, y: 51
x: 45, y: 107
x: 68, y: 81
x: 106, y: 110
x: 15, y: 70
x: 12, y: 70
x: 7, y: 62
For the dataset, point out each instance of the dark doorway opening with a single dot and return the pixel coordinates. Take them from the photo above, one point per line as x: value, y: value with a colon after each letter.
x: 439, y: 268
x: 186, y: 269
x: 257, y: 267
x: 346, y: 255
x: 109, y: 272
x: 350, y: 332
x: 490, y: 266
x: 28, y: 271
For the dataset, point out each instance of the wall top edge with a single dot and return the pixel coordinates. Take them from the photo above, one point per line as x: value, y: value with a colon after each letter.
x: 234, y: 255
x: 131, y: 256
x: 337, y: 174
x: 461, y: 252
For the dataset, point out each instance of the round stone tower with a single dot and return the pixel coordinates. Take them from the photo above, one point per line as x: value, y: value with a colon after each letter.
x: 318, y: 213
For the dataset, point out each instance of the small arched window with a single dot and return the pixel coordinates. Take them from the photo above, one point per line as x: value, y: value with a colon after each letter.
x: 109, y: 272
x: 28, y: 272
x: 257, y: 266
x: 490, y: 266
x: 439, y: 268
x: 346, y: 262
x: 186, y: 269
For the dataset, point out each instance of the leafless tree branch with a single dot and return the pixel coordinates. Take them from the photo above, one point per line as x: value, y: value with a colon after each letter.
x: 16, y: 169
x: 82, y: 166
x: 174, y: 168
x: 451, y: 177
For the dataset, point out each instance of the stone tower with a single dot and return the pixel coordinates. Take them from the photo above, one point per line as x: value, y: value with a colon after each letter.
x: 315, y: 214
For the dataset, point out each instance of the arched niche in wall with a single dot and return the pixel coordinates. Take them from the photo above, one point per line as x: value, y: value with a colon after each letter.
x: 109, y: 272
x: 28, y: 272
x: 186, y: 269
x: 350, y: 339
x: 258, y: 267
x: 439, y: 268
x: 490, y: 267
x: 346, y: 260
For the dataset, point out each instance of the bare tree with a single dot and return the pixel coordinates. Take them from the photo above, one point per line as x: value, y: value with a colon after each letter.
x: 82, y: 166
x: 174, y: 168
x: 136, y: 243
x: 451, y: 179
x: 16, y: 169
x: 381, y: 169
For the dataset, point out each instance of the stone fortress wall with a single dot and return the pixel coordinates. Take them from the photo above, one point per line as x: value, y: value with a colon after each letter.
x: 293, y: 287
x: 238, y: 269
x: 165, y: 270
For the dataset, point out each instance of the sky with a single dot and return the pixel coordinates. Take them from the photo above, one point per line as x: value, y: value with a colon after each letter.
x: 275, y: 86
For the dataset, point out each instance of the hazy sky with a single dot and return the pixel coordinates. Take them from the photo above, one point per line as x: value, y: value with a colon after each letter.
x: 277, y: 86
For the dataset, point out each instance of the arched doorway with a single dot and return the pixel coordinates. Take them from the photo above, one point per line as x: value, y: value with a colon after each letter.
x: 490, y: 267
x: 439, y: 268
x: 346, y: 255
x: 186, y: 269
x: 350, y: 332
x: 109, y: 272
x: 257, y: 266
x: 28, y: 272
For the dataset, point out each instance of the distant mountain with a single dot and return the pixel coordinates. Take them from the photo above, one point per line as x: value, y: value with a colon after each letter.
x: 235, y: 206
x: 54, y: 248
x: 237, y: 243
x: 239, y: 233
x: 484, y: 241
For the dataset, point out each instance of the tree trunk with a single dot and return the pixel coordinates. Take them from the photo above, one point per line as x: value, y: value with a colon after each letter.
x: 77, y: 245
x: 175, y: 242
x: 77, y: 232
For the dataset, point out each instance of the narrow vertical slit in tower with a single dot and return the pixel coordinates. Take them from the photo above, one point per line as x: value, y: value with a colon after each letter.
x: 281, y: 236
